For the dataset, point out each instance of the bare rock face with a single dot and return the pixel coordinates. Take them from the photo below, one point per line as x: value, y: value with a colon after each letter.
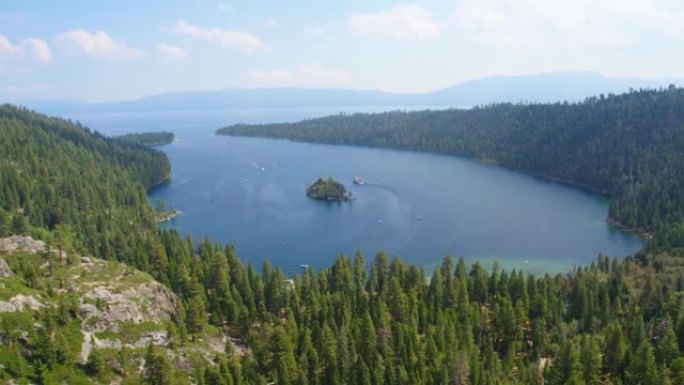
x: 147, y: 302
x: 112, y: 295
x: 21, y: 243
x: 108, y: 300
x: 20, y: 302
x: 5, y: 271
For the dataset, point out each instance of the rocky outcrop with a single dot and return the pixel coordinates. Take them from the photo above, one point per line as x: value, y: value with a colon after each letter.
x: 20, y: 302
x: 112, y: 299
x: 112, y: 295
x: 5, y: 271
x: 105, y: 309
x: 21, y: 243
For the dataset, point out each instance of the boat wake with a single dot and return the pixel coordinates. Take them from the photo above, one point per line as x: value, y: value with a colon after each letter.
x: 380, y: 187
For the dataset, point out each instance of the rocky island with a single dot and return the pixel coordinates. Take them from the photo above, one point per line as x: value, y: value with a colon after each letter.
x: 328, y: 189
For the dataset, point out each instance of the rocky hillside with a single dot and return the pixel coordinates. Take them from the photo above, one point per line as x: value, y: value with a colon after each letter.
x: 95, y: 310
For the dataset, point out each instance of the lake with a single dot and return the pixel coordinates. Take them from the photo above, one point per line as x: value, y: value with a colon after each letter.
x: 251, y: 192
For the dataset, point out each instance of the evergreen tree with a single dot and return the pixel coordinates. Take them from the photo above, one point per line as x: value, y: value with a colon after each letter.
x: 615, y: 348
x: 667, y: 348
x: 157, y: 369
x: 284, y: 363
x: 96, y: 363
x: 642, y: 369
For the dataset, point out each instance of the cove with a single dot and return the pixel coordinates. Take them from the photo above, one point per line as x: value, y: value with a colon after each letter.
x: 251, y: 192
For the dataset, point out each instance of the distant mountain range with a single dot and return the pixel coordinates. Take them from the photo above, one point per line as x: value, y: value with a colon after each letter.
x: 547, y: 87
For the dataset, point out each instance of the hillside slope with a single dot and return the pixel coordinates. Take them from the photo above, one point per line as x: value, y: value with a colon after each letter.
x: 70, y: 314
x: 74, y: 187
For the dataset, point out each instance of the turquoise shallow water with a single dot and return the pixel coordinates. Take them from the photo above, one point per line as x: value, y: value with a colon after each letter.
x: 251, y: 192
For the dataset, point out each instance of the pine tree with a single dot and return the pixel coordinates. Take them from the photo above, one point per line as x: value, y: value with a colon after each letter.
x: 196, y: 316
x: 591, y: 359
x: 677, y: 371
x: 642, y: 369
x: 615, y: 348
x: 284, y: 363
x: 5, y: 225
x: 667, y: 348
x: 157, y: 369
x: 567, y: 369
x: 96, y: 363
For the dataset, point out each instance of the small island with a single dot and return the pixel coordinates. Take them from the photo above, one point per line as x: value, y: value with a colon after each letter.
x: 149, y: 139
x: 328, y: 189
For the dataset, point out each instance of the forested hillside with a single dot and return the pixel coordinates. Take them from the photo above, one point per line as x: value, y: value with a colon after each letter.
x: 615, y: 322
x: 629, y: 147
x: 88, y: 190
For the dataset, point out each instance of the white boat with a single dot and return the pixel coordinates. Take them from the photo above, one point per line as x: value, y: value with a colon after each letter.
x: 357, y: 180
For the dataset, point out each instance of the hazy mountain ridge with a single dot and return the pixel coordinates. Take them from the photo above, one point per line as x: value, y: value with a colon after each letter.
x: 542, y: 88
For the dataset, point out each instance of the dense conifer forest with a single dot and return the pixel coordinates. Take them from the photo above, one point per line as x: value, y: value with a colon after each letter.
x: 629, y: 147
x: 363, y: 320
x: 148, y: 138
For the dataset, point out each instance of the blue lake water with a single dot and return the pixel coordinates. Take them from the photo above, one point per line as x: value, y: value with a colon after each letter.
x: 251, y: 192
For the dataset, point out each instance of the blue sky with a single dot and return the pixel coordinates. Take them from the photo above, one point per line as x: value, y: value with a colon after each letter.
x: 112, y: 50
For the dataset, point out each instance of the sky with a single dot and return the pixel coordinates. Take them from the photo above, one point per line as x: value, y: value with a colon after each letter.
x: 113, y: 50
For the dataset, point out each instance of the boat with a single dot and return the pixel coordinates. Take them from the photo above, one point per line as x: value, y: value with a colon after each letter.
x: 357, y: 180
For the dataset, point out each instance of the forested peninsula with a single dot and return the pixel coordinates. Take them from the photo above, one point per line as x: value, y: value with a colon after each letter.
x: 150, y: 139
x: 628, y: 147
x: 204, y: 317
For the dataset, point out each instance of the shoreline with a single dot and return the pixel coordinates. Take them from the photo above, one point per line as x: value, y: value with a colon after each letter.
x: 164, y: 180
x: 641, y: 233
x: 646, y: 236
x: 167, y: 216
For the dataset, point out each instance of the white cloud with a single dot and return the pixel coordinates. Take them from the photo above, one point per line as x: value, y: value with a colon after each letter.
x: 38, y: 49
x: 98, y: 45
x: 7, y: 49
x: 271, y: 22
x: 272, y: 75
x: 11, y: 16
x: 225, y: 8
x: 11, y: 89
x: 309, y: 74
x: 400, y: 22
x: 26, y: 51
x: 33, y: 91
x: 171, y: 53
x: 316, y: 73
x: 314, y: 30
x: 40, y: 87
x: 225, y: 38
x: 526, y: 24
